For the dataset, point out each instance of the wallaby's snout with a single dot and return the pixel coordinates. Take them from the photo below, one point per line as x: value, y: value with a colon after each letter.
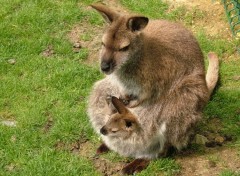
x: 103, y: 131
x: 107, y: 66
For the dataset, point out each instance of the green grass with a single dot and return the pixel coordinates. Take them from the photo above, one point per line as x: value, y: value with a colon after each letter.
x: 161, y: 166
x: 229, y: 173
x: 36, y: 88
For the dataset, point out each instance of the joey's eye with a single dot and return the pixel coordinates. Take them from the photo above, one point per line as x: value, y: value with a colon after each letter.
x: 103, y: 44
x: 124, y: 48
x: 128, y: 124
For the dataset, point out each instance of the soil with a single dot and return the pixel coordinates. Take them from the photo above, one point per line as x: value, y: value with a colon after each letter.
x: 48, y: 125
x: 48, y: 51
x: 213, y: 160
x: 211, y: 163
x: 214, y: 21
x: 84, y: 148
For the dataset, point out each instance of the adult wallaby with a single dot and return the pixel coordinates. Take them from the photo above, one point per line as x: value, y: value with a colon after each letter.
x: 152, y: 59
x: 144, y: 132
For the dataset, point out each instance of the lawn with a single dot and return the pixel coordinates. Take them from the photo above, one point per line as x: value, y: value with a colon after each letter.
x: 44, y: 86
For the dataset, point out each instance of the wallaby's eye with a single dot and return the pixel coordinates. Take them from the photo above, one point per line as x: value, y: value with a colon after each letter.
x: 128, y: 124
x: 124, y: 48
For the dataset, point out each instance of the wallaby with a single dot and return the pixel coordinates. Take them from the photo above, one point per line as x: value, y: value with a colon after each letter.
x: 151, y: 59
x: 144, y: 132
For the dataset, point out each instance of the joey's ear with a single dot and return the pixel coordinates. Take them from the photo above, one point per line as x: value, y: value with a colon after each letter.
x: 137, y: 23
x: 108, y: 14
x: 118, y: 104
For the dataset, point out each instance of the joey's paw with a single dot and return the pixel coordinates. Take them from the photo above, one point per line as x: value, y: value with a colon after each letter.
x: 136, y: 166
x: 102, y: 149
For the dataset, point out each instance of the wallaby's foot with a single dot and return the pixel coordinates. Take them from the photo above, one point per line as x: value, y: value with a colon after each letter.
x: 102, y: 149
x: 130, y: 100
x: 164, y: 153
x: 136, y: 166
x: 168, y: 151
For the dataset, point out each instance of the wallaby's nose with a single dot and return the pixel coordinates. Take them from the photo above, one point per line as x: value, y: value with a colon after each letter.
x: 103, y: 131
x: 106, y: 66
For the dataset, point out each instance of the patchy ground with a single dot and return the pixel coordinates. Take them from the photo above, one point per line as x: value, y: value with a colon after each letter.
x: 87, y: 149
x: 213, y: 20
x: 212, y: 160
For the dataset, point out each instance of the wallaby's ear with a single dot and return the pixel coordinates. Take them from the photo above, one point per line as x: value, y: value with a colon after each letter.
x: 108, y: 14
x: 137, y: 23
x: 118, y: 104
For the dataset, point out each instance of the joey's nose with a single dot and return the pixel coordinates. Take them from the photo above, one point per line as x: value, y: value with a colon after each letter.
x: 103, y: 131
x: 105, y: 66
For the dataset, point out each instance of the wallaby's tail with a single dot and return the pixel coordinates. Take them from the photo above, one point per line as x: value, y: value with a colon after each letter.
x: 212, y: 71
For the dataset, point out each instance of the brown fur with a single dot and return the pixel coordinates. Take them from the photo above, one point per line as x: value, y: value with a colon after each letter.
x: 159, y: 67
x: 146, y: 119
x: 152, y: 59
x: 141, y: 139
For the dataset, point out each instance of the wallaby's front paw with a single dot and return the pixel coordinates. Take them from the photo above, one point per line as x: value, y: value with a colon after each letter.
x: 102, y: 149
x: 136, y: 166
x: 108, y: 99
x: 130, y: 100
x: 133, y: 103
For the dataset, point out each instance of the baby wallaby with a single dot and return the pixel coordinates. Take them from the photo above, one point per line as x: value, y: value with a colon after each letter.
x: 144, y: 132
x: 121, y: 124
x: 149, y: 59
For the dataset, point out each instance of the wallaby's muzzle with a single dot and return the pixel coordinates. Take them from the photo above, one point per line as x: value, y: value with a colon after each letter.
x: 107, y: 67
x: 103, y: 131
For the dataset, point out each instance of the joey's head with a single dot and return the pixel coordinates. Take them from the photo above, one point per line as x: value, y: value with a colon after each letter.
x: 121, y: 124
x: 121, y: 40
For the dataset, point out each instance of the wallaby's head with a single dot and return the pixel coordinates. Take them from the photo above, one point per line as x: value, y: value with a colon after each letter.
x: 121, y: 124
x: 122, y: 38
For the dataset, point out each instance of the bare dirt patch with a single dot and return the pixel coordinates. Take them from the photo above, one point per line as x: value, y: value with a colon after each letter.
x: 212, y: 156
x: 108, y: 168
x: 48, y: 125
x: 214, y: 20
x: 81, y: 146
x: 84, y: 148
x: 77, y: 38
x: 48, y: 52
x: 103, y: 165
x: 211, y: 163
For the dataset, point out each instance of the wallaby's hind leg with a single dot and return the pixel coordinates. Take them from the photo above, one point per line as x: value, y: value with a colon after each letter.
x: 102, y: 149
x: 135, y: 166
